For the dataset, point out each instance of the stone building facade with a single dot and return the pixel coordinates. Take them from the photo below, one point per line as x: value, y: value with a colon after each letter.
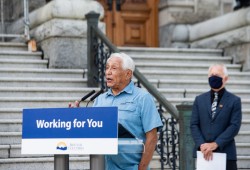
x: 172, y: 14
x: 60, y: 28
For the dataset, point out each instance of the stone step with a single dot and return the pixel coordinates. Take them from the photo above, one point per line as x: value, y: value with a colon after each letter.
x: 176, y: 101
x: 46, y: 73
x: 192, y: 93
x: 9, y: 138
x: 242, y: 163
x: 243, y: 137
x: 245, y: 126
x: 16, y: 113
x: 199, y: 84
x: 180, y: 59
x: 80, y: 162
x: 20, y: 55
x: 13, y: 46
x: 10, y: 125
x: 179, y: 74
x: 181, y: 66
x: 21, y: 63
x: 11, y: 113
x: 15, y: 125
x: 42, y: 163
x: 161, y: 83
x: 42, y: 82
x: 243, y: 149
x: 44, y: 91
x: 39, y: 102
x: 75, y: 163
x: 246, y: 113
x: 78, y: 92
x: 170, y: 51
x: 14, y: 151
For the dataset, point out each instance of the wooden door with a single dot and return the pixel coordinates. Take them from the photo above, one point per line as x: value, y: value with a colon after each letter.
x: 131, y: 22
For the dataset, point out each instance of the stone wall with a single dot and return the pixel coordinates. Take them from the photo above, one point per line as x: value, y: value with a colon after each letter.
x: 173, y: 13
x: 62, y: 31
x: 230, y: 32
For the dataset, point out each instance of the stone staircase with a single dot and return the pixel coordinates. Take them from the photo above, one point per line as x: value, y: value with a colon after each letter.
x: 181, y: 74
x: 25, y: 81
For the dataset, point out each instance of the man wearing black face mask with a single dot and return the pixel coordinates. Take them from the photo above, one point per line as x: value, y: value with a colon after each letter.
x: 216, y: 118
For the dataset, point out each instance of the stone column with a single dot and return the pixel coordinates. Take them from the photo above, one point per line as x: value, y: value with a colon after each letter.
x: 60, y: 29
x: 186, y: 142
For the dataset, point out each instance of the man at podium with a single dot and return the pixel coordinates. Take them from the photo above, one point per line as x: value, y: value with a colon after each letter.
x: 136, y: 109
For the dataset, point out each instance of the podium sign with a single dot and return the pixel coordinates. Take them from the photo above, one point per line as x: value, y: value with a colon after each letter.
x: 70, y: 131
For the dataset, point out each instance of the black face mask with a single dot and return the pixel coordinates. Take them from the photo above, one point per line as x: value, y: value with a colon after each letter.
x: 215, y: 82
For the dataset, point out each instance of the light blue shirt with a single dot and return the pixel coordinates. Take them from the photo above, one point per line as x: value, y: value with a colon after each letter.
x: 138, y: 114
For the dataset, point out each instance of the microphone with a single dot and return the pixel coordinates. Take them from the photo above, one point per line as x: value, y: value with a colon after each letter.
x: 96, y: 95
x: 86, y: 96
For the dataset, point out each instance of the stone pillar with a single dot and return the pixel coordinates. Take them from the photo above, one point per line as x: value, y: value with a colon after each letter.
x: 60, y: 29
x: 186, y: 142
x: 240, y: 54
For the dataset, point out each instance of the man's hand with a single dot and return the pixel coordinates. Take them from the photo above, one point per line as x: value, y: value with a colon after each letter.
x: 207, y: 150
x: 76, y: 104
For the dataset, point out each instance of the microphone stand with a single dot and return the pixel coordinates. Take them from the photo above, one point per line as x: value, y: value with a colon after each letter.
x: 61, y: 162
x: 97, y: 162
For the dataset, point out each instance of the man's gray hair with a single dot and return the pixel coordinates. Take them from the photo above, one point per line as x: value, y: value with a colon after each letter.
x: 127, y: 61
x: 220, y: 65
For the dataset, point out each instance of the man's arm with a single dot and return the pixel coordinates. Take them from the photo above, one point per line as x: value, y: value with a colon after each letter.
x: 195, y: 125
x: 234, y: 125
x: 151, y: 141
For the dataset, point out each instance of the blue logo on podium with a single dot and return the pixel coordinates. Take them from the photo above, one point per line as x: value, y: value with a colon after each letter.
x: 61, y: 146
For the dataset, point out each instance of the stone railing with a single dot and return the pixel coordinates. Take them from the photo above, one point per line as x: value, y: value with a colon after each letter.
x: 25, y: 35
x: 230, y: 32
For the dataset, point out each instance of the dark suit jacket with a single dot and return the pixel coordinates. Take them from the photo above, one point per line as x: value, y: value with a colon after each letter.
x: 222, y: 129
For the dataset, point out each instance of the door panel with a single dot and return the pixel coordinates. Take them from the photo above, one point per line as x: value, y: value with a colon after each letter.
x: 135, y: 24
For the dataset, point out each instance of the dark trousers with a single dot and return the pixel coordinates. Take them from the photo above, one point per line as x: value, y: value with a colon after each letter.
x: 231, y: 165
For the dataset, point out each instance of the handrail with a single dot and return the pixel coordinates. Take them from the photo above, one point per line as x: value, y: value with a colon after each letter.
x: 99, y: 49
x: 26, y: 34
x: 2, y: 18
x: 161, y: 99
x: 26, y: 20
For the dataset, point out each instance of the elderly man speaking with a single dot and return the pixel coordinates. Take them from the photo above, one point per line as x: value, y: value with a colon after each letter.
x: 136, y: 109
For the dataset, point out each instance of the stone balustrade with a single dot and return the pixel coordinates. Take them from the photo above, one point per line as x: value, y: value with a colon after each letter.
x: 230, y: 32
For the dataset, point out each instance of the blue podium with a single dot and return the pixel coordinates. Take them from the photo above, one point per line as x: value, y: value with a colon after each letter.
x: 65, y: 131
